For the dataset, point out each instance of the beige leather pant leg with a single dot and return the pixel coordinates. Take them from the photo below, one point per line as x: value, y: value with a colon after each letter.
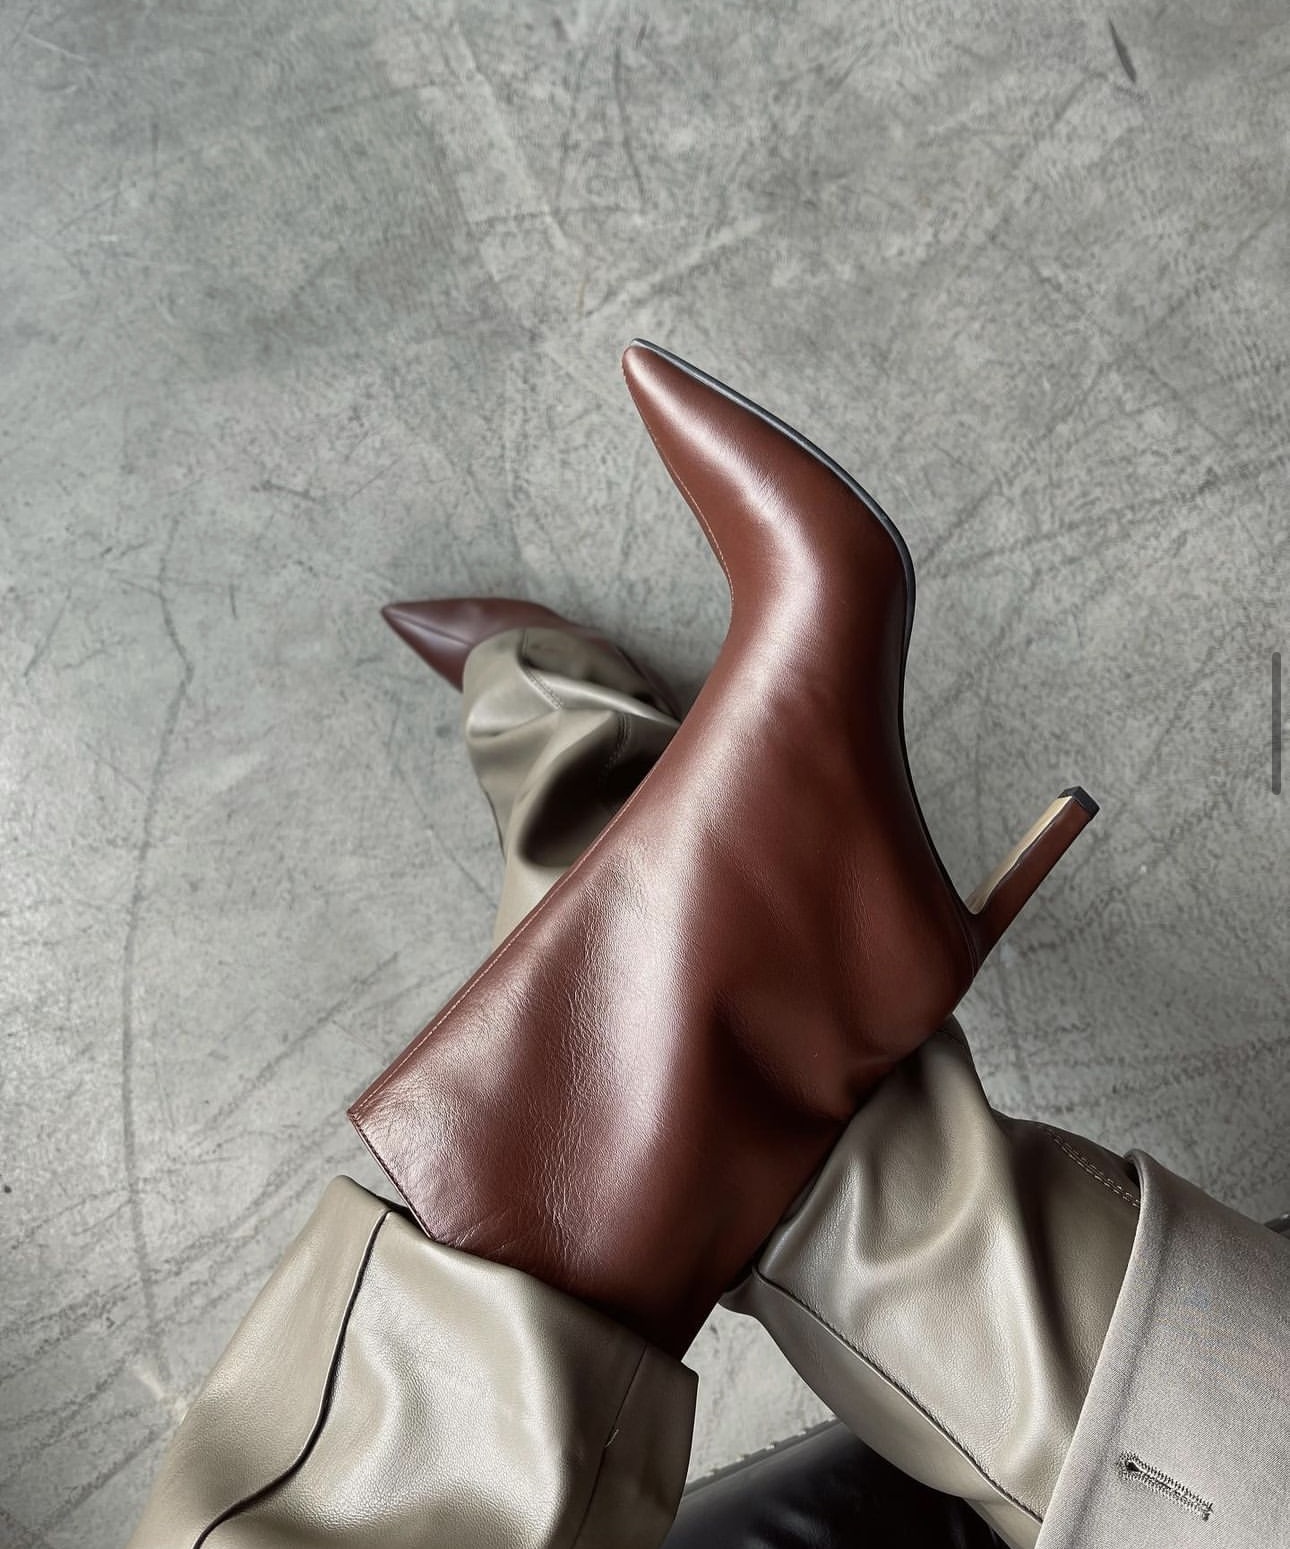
x: 387, y: 1393
x: 947, y: 1282
x: 560, y: 731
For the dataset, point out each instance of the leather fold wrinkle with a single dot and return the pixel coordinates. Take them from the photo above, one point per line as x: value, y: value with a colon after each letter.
x: 626, y: 1096
x: 947, y: 1282
x: 386, y: 1391
x: 561, y: 729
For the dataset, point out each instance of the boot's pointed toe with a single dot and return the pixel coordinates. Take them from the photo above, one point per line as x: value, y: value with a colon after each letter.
x: 444, y: 631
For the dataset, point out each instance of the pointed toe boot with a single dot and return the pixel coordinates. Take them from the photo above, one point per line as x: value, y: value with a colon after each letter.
x: 648, y: 1070
x: 443, y: 631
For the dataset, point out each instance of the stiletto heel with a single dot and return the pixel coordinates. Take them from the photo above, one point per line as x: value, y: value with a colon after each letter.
x: 1000, y: 898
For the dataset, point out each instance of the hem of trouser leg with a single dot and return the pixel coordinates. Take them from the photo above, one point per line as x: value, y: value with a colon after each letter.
x: 640, y: 1475
x: 577, y: 1538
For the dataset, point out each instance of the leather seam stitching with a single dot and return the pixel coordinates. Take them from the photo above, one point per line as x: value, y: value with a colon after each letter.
x: 1089, y: 1167
x: 546, y: 692
x: 905, y: 1393
x: 775, y: 1450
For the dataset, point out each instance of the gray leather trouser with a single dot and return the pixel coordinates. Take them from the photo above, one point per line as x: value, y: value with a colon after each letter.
x: 944, y: 1285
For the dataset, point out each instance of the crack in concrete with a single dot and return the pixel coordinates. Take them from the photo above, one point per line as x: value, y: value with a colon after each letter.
x: 129, y: 958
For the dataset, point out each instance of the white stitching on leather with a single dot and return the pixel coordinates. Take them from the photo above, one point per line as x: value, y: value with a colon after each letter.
x: 1080, y: 1160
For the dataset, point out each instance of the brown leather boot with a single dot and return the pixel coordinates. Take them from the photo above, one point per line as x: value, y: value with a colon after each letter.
x: 646, y: 1072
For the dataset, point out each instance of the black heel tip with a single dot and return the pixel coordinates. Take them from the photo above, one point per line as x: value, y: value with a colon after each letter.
x: 1079, y: 794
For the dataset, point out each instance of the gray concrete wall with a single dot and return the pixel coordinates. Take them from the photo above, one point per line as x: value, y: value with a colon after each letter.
x: 304, y: 308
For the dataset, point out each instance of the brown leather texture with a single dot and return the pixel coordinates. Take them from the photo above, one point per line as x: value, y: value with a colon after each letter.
x: 628, y: 1094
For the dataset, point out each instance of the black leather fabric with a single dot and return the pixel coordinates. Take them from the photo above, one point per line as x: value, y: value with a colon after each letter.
x: 823, y: 1490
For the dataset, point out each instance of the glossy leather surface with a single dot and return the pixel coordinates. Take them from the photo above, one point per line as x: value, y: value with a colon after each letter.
x: 386, y: 1393
x: 947, y: 1282
x: 643, y: 1075
x: 824, y: 1490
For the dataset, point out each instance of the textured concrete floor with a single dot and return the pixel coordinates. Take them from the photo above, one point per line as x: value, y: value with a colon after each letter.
x: 304, y: 308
